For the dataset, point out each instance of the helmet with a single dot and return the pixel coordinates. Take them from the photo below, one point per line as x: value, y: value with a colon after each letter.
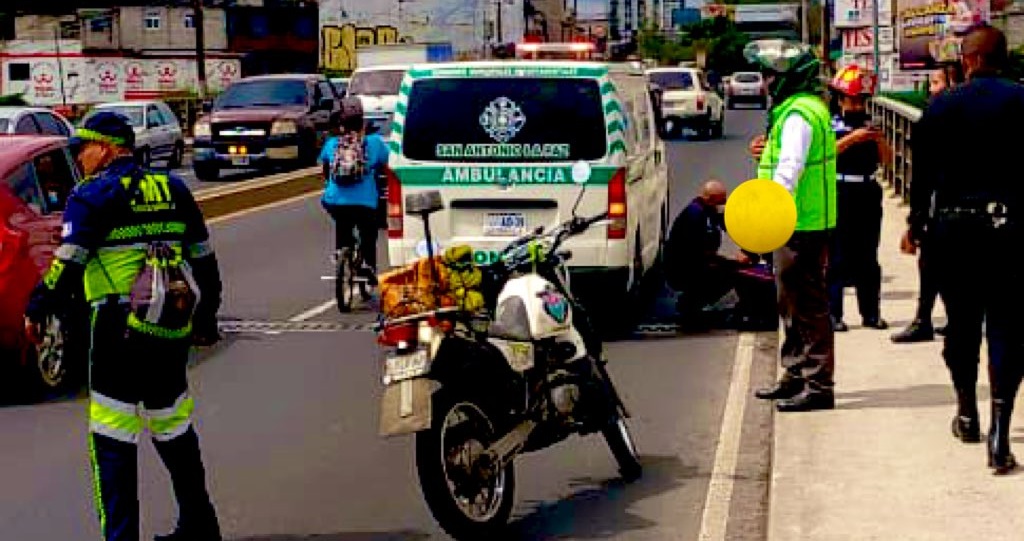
x: 854, y: 81
x: 791, y: 65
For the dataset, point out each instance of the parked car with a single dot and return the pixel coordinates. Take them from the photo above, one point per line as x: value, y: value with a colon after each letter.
x: 687, y: 101
x: 18, y: 120
x: 36, y: 175
x: 158, y: 134
x: 746, y: 87
x: 265, y: 121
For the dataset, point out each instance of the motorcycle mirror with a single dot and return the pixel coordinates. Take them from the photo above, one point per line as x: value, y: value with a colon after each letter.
x: 580, y: 175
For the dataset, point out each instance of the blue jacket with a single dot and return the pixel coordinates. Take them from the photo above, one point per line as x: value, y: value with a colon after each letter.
x: 363, y: 194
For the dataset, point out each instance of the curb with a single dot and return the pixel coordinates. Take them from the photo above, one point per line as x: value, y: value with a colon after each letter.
x: 222, y: 200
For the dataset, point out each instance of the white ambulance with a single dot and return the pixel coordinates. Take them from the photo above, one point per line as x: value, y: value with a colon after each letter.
x: 499, y: 140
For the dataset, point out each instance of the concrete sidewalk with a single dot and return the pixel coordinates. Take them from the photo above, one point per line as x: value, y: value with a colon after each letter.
x: 883, y: 465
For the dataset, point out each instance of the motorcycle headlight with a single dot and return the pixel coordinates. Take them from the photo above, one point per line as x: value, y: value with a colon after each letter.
x: 202, y: 129
x: 284, y: 127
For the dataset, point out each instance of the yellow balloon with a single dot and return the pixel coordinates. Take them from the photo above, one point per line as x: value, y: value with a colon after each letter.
x: 760, y: 216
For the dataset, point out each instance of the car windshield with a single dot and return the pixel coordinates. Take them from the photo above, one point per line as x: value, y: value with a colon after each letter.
x: 746, y: 78
x: 673, y: 80
x: 376, y: 83
x: 133, y: 114
x: 505, y: 119
x: 267, y: 93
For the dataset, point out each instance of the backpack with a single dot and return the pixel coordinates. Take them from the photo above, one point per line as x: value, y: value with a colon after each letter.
x: 164, y: 295
x: 349, y: 162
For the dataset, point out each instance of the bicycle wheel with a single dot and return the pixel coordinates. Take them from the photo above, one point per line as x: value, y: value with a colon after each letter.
x: 345, y: 284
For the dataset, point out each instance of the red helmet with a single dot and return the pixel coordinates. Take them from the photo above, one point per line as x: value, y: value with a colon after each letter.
x: 854, y: 81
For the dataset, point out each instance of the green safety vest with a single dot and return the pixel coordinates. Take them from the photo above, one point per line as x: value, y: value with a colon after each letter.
x: 815, y: 191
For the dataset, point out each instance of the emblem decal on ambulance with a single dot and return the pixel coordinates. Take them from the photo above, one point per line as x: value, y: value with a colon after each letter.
x: 502, y: 119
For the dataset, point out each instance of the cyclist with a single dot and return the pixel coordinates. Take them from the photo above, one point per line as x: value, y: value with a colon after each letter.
x: 351, y: 161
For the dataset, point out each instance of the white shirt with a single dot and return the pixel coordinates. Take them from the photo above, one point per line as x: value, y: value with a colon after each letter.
x: 796, y: 136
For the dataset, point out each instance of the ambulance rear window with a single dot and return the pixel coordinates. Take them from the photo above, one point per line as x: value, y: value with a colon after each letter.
x: 505, y: 119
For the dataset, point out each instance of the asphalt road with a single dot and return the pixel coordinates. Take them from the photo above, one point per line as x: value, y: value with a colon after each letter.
x: 288, y: 420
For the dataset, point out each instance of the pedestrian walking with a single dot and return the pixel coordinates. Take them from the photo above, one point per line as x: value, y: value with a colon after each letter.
x: 978, y: 205
x: 135, y: 239
x: 799, y: 152
x: 921, y: 328
x: 853, y: 253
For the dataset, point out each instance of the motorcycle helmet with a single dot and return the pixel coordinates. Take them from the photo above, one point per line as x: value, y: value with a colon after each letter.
x: 790, y: 67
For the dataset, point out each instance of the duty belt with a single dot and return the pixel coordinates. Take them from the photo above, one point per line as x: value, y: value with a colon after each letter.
x: 855, y: 178
x: 995, y: 211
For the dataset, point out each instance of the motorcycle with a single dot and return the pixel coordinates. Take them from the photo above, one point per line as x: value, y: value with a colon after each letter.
x: 479, y: 390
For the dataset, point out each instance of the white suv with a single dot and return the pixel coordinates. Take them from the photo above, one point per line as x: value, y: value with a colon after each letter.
x: 687, y: 101
x: 746, y: 87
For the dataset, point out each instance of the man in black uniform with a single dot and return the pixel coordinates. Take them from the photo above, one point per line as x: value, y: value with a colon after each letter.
x: 702, y: 275
x: 978, y: 207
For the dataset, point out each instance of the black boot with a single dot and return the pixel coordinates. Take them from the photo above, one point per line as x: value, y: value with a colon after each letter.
x: 917, y: 331
x: 838, y: 325
x: 197, y: 519
x: 1000, y: 459
x: 966, y: 426
x: 875, y: 322
x: 787, y: 388
x: 809, y: 400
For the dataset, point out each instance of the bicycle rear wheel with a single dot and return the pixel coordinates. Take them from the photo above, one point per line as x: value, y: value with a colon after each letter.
x: 345, y: 284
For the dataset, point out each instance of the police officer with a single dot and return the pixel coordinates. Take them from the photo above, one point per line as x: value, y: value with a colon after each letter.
x: 799, y: 153
x: 978, y: 204
x: 853, y: 254
x: 121, y: 223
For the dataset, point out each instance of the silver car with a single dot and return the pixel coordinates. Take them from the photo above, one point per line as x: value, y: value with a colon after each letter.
x: 24, y: 120
x: 158, y: 134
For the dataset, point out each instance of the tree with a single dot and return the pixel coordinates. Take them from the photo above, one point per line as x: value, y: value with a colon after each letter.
x: 723, y: 42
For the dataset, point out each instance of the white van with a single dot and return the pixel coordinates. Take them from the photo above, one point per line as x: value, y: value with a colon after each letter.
x: 499, y: 140
x: 377, y: 89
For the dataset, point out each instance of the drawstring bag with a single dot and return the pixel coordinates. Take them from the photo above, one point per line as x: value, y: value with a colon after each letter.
x: 164, y: 295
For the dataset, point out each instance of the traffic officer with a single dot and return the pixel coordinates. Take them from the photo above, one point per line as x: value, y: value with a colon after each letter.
x: 799, y: 152
x: 853, y: 254
x: 978, y: 204
x: 138, y: 242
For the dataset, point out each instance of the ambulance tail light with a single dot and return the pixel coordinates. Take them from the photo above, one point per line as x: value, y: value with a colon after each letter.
x: 396, y: 223
x: 700, y: 103
x: 617, y: 206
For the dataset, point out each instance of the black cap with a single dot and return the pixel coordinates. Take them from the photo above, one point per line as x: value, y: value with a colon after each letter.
x: 106, y: 127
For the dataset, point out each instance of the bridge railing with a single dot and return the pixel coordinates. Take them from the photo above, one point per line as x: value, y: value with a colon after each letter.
x: 897, y: 121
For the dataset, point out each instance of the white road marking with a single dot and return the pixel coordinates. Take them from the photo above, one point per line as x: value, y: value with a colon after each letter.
x: 314, y: 311
x: 328, y: 278
x: 715, y: 520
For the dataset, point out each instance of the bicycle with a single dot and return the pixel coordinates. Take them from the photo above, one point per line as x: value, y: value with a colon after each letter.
x: 351, y: 273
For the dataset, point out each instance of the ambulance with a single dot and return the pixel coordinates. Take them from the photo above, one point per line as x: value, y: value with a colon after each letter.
x: 499, y: 140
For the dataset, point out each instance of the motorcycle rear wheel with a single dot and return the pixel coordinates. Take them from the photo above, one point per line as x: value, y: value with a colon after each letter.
x: 461, y: 430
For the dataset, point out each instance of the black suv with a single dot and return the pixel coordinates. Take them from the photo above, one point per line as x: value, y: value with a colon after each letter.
x: 265, y: 121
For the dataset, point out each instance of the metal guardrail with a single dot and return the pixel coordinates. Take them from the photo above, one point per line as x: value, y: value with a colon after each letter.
x: 897, y: 121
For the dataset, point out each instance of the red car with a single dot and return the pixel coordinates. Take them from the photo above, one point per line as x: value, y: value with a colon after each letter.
x: 36, y: 175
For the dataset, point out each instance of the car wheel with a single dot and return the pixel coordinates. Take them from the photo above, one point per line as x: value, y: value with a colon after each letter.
x: 177, y: 156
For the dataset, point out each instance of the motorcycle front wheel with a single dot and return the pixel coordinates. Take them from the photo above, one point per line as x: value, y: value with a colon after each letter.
x: 469, y: 504
x: 620, y: 441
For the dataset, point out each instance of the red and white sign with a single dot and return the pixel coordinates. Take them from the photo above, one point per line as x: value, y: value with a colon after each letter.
x: 134, y: 75
x: 44, y: 80
x: 862, y: 40
x: 166, y: 75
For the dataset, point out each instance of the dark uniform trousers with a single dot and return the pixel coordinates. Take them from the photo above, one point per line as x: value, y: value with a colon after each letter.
x: 808, y: 348
x: 853, y: 254
x: 128, y: 369
x: 980, y: 288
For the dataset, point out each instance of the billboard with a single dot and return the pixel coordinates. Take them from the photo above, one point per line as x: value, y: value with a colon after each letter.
x: 860, y: 13
x: 928, y: 29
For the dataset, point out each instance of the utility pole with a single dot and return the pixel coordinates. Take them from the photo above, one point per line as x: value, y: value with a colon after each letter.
x: 60, y: 64
x: 497, y: 24
x: 826, y: 35
x: 200, y: 29
x: 805, y: 32
x: 874, y: 38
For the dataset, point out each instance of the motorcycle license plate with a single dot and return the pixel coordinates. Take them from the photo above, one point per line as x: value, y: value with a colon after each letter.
x: 240, y: 160
x: 403, y: 367
x: 505, y: 224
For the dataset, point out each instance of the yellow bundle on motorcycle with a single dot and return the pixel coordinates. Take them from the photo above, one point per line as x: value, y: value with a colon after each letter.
x: 473, y: 301
x: 467, y: 279
x: 459, y: 255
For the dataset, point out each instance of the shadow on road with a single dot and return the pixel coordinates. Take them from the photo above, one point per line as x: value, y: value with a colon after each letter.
x: 602, y: 510
x: 914, y: 396
x: 355, y: 536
